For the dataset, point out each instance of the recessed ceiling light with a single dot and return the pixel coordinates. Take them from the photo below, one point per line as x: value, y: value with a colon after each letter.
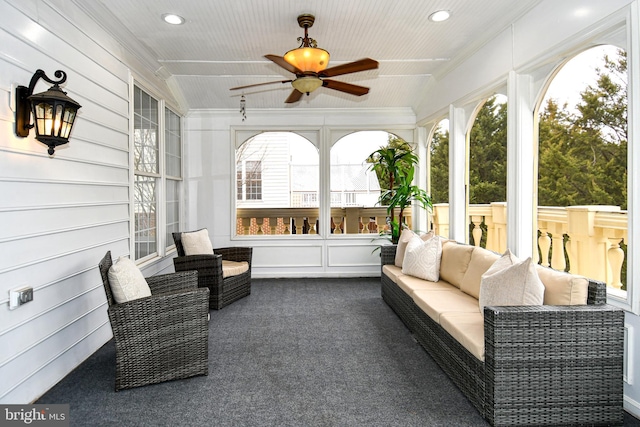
x: 173, y: 19
x: 439, y: 16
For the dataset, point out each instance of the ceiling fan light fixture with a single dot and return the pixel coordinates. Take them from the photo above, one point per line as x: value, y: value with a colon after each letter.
x: 306, y: 84
x: 308, y: 59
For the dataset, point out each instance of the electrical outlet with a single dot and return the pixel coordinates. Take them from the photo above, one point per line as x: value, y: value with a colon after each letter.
x: 21, y: 296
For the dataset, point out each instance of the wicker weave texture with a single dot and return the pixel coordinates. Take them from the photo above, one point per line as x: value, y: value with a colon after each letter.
x: 544, y: 365
x: 162, y: 337
x: 223, y: 291
x: 570, y: 356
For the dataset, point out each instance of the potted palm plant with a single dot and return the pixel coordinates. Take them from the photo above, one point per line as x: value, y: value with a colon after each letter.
x: 395, y: 167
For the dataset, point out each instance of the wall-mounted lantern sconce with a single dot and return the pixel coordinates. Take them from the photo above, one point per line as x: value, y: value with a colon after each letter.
x: 53, y: 111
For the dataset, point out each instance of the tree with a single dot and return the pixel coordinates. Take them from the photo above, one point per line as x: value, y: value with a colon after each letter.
x: 583, y: 154
x: 439, y: 150
x: 488, y: 154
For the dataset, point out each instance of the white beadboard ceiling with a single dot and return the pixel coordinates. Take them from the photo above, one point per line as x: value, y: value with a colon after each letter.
x: 222, y: 43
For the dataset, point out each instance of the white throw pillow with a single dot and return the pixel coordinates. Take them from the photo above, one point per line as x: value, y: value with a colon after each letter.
x: 401, y: 249
x: 422, y: 258
x: 197, y: 243
x: 127, y: 282
x: 404, y: 239
x: 510, y: 281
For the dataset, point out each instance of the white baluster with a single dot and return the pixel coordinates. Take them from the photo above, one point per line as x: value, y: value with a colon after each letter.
x: 477, y: 231
x: 557, y: 258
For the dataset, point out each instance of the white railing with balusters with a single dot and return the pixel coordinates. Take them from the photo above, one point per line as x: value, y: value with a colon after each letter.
x: 595, y: 234
x: 287, y: 221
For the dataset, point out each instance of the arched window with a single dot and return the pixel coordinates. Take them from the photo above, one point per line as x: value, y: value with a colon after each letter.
x: 439, y: 177
x: 488, y: 175
x: 356, y: 207
x: 277, y: 185
x: 582, y: 168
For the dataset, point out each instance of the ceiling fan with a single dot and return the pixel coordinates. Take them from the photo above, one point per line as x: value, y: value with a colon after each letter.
x: 309, y: 64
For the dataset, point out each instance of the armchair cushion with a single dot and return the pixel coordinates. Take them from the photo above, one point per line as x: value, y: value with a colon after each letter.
x: 233, y: 268
x: 127, y: 282
x: 197, y: 242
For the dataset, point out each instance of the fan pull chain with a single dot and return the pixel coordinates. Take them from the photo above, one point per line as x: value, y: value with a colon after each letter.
x: 243, y: 110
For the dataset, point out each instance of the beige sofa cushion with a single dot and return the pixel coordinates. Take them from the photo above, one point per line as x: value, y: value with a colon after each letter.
x: 435, y: 303
x: 467, y: 329
x: 422, y: 258
x: 455, y: 260
x: 392, y: 272
x: 562, y: 288
x: 510, y: 281
x: 481, y: 260
x: 410, y: 284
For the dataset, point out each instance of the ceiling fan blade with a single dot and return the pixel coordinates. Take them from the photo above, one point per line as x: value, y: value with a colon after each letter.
x: 260, y: 84
x: 279, y: 60
x: 346, y: 87
x: 351, y: 67
x: 294, y: 97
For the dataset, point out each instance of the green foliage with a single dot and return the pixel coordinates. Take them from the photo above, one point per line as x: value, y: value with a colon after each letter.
x: 404, y: 194
x: 391, y: 161
x: 439, y: 150
x: 488, y: 154
x: 394, y: 165
x: 582, y: 152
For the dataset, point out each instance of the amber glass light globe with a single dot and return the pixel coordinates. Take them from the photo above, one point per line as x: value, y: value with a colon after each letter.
x: 308, y: 59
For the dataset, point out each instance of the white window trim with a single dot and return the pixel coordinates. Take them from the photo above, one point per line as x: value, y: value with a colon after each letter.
x: 162, y: 246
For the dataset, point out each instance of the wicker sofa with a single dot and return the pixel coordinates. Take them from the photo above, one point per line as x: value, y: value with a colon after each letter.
x: 525, y: 365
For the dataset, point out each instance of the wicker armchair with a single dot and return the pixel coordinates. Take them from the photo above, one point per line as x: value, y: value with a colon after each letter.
x: 222, y: 290
x: 162, y: 337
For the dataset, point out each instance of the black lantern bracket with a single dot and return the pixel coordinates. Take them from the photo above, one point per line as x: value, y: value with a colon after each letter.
x: 53, y: 111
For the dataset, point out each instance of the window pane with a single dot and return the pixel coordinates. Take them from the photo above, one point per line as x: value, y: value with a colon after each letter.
x: 583, y: 169
x: 439, y: 179
x: 355, y: 188
x: 173, y: 210
x: 253, y: 179
x: 145, y: 133
x: 145, y: 216
x: 239, y: 181
x: 488, y: 171
x: 173, y: 150
x: 277, y: 185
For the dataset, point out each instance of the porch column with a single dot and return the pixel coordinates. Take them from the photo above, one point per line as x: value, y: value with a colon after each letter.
x: 457, y: 174
x: 522, y: 197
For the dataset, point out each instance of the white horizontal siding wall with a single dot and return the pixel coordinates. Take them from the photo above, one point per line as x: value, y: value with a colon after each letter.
x: 59, y: 215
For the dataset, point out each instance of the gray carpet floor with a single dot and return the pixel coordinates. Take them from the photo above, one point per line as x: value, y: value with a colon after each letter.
x: 296, y: 352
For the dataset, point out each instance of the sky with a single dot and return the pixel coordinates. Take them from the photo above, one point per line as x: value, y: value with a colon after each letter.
x: 576, y: 74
